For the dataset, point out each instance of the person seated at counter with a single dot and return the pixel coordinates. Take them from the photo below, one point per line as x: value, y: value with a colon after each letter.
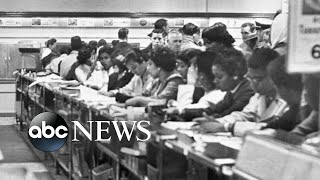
x: 120, y: 77
x: 188, y: 109
x: 263, y: 106
x: 93, y: 45
x: 142, y: 81
x: 54, y: 65
x: 47, y: 60
x: 229, y: 69
x: 83, y: 64
x: 289, y: 87
x: 99, y: 78
x: 50, y: 44
x: 161, y: 65
x: 184, y: 60
x: 187, y: 93
x: 68, y: 62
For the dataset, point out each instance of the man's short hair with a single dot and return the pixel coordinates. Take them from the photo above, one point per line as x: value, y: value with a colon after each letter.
x: 251, y: 25
x: 160, y: 23
x: 65, y: 49
x: 176, y: 32
x: 123, y: 33
x: 158, y: 31
x: 76, y: 43
x: 190, y: 29
x: 102, y: 42
x: 261, y: 58
x: 281, y: 78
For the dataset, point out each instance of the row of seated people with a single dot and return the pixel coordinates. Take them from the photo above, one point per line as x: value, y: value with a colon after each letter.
x: 226, y: 91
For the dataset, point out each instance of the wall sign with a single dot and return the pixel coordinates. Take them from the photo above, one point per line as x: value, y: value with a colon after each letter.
x: 304, y: 36
x: 11, y: 22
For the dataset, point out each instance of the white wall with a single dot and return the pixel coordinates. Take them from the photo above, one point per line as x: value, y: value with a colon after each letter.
x: 225, y: 6
x: 104, y: 5
x: 244, y: 6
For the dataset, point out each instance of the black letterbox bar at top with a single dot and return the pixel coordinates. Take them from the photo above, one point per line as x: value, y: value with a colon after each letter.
x: 131, y: 15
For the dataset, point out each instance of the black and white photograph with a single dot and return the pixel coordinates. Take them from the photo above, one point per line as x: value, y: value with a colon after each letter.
x: 72, y: 22
x: 36, y: 22
x: 159, y: 90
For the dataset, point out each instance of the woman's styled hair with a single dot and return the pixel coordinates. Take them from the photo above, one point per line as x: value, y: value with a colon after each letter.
x: 164, y: 58
x: 231, y: 61
x: 135, y: 55
x: 50, y: 42
x: 217, y: 33
x: 105, y: 49
x: 188, y: 54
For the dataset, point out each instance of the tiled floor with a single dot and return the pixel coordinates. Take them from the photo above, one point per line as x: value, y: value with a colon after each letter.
x: 49, y: 163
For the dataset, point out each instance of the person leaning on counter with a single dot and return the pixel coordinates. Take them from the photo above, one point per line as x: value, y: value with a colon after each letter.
x: 142, y: 81
x: 189, y: 105
x: 264, y: 105
x: 161, y: 66
x: 289, y: 87
x: 229, y: 68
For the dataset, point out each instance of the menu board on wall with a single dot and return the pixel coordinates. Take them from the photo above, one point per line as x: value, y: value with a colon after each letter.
x: 304, y: 33
x: 49, y: 22
x: 85, y: 22
x: 121, y: 22
x: 11, y: 22
x: 231, y: 22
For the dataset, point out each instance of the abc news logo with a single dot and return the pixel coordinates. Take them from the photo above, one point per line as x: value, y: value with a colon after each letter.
x: 48, y: 131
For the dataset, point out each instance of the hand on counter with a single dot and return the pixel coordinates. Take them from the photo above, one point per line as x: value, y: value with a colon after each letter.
x: 205, y: 118
x: 110, y: 94
x: 210, y: 127
x: 241, y: 128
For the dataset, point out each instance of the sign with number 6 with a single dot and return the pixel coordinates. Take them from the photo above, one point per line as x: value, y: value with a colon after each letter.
x: 304, y: 37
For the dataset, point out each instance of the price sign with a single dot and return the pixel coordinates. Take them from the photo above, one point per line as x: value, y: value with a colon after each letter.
x: 304, y: 36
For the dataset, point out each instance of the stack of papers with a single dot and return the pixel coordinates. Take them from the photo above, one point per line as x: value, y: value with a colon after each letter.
x: 178, y: 125
x: 224, y: 139
x: 48, y: 79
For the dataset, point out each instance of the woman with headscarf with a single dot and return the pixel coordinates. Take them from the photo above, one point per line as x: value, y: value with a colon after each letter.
x: 279, y: 34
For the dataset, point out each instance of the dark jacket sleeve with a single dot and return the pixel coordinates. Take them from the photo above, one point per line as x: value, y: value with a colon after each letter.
x: 233, y: 102
x: 124, y: 80
x: 309, y: 125
x: 170, y: 89
x: 112, y: 84
x: 288, y: 121
x: 72, y: 72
